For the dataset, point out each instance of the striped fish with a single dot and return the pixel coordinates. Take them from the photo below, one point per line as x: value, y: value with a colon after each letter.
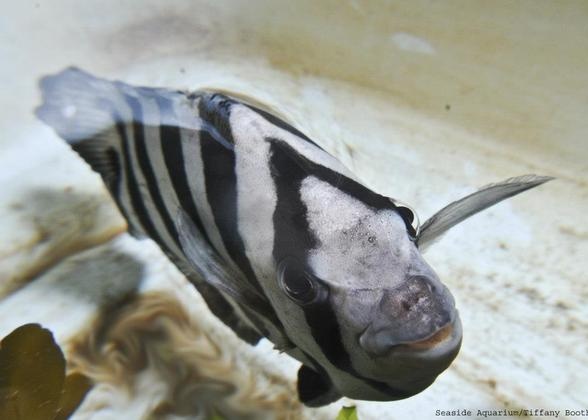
x: 281, y: 240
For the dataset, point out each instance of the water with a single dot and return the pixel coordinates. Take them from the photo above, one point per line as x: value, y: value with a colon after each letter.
x: 424, y: 102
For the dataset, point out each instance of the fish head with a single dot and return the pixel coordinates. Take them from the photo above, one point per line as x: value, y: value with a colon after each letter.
x: 357, y: 299
x: 377, y: 318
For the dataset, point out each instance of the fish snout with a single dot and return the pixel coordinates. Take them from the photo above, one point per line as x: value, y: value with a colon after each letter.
x: 416, y: 316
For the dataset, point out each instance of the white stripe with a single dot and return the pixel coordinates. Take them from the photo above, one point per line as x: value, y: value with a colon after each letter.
x: 256, y: 193
x: 302, y: 146
x: 152, y: 121
x: 256, y: 202
x: 195, y: 173
x: 151, y: 139
x: 124, y: 198
x: 358, y: 246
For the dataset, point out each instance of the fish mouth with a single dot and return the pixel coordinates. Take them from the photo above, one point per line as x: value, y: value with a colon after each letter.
x: 410, y: 367
x: 435, y: 339
x: 383, y: 344
x: 442, y: 345
x: 418, y: 363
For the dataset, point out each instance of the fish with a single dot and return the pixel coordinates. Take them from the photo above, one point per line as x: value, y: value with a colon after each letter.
x: 279, y: 237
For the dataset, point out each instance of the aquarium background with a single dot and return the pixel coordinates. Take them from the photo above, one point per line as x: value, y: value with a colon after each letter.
x: 424, y: 101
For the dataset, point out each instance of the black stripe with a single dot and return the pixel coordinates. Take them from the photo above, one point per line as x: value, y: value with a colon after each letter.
x: 170, y: 138
x: 173, y: 155
x: 294, y: 239
x: 114, y: 185
x: 132, y: 186
x: 216, y: 302
x: 220, y: 181
x: 147, y: 169
x: 221, y: 191
x: 272, y: 119
x: 343, y: 183
x: 102, y: 158
x: 215, y: 109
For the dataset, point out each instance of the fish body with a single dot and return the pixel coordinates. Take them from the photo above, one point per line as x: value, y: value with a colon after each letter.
x: 278, y: 236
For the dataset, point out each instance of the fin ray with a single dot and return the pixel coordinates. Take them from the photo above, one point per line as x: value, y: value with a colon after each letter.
x: 459, y: 210
x: 206, y: 262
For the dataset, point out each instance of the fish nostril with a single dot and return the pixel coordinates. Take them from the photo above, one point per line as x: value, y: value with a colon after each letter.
x: 410, y: 314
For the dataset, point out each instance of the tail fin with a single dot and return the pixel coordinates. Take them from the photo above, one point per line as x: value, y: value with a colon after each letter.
x: 78, y: 107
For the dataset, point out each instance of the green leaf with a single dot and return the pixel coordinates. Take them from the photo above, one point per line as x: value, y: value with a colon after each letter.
x: 347, y: 413
x: 216, y: 416
x: 33, y: 385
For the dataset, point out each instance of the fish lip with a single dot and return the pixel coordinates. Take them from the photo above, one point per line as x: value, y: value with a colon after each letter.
x: 429, y: 361
x: 440, y: 344
x: 443, y: 337
x: 413, y: 369
x: 426, y: 343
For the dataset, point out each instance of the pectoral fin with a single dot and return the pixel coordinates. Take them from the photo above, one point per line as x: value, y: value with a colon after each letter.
x: 205, y: 261
x: 208, y: 264
x: 460, y: 210
x: 315, y: 389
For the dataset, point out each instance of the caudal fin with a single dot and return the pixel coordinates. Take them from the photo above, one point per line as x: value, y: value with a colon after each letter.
x: 79, y: 107
x: 74, y: 104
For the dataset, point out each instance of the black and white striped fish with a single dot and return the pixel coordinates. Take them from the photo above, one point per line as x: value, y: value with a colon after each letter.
x: 278, y: 236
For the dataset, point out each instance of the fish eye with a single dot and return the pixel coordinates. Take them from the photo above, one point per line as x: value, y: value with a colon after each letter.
x: 409, y: 216
x: 299, y: 287
x: 298, y: 284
